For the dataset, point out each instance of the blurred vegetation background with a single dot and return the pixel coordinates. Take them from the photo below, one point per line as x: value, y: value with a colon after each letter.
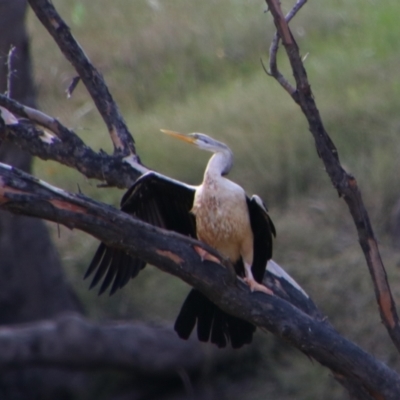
x: 195, y: 66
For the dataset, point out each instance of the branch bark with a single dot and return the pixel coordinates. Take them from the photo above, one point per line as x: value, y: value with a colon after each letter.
x: 90, y: 76
x: 343, y: 182
x: 173, y: 253
x: 71, y: 341
x: 66, y: 147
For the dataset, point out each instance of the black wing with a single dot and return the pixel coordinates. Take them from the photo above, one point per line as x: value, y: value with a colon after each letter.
x: 263, y: 230
x: 155, y: 199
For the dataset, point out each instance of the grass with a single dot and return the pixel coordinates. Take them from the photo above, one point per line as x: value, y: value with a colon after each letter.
x: 194, y: 66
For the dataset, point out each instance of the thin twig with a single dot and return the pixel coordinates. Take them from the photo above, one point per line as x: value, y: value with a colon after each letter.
x: 345, y: 183
x: 10, y: 70
x: 273, y: 51
x: 72, y: 86
x: 273, y: 67
x: 296, y: 8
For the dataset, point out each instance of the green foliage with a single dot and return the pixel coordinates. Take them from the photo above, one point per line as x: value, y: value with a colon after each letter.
x: 78, y: 14
x: 194, y: 66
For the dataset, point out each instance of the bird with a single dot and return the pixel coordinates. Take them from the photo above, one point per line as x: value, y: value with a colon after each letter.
x: 217, y: 212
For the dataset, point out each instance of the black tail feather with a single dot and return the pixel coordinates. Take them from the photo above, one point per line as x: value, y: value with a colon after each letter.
x: 187, y: 317
x: 212, y: 323
x: 241, y: 332
x: 219, y: 332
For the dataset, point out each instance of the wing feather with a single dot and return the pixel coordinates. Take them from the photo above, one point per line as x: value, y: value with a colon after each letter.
x: 263, y: 230
x: 155, y: 199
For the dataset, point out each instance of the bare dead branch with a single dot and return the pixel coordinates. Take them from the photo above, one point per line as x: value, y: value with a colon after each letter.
x: 92, y: 79
x: 74, y: 342
x: 344, y: 183
x: 10, y: 70
x: 72, y: 86
x: 296, y: 8
x: 273, y: 67
x: 39, y: 118
x: 66, y: 148
x: 273, y: 51
x: 173, y: 253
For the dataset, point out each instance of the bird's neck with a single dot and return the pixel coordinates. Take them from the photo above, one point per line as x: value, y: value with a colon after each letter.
x: 219, y: 164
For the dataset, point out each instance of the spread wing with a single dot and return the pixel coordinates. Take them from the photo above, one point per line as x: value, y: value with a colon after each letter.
x: 155, y: 199
x: 263, y: 230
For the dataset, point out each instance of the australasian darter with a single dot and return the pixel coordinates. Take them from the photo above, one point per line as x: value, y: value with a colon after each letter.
x: 217, y: 212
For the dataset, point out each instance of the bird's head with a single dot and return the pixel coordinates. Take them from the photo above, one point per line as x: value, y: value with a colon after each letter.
x: 201, y: 140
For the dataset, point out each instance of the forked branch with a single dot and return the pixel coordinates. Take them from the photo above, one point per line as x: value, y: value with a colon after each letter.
x: 90, y: 76
x: 65, y: 146
x: 344, y: 183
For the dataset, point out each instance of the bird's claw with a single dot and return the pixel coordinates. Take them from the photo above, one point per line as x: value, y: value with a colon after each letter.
x: 255, y: 286
x: 205, y: 255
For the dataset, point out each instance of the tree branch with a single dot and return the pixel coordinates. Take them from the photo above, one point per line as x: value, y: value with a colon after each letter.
x: 92, y: 79
x: 344, y: 183
x: 173, y: 253
x: 74, y: 342
x: 10, y: 71
x: 273, y: 52
x: 66, y: 147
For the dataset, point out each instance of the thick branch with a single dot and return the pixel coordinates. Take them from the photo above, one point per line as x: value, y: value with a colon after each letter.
x: 92, y: 79
x: 173, y: 253
x: 73, y: 341
x: 345, y: 183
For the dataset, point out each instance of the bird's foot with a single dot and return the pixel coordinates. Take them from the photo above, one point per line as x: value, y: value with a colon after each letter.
x: 255, y: 286
x: 205, y: 255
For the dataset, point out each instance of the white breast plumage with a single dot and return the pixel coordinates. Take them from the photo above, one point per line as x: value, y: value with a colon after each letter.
x: 222, y: 217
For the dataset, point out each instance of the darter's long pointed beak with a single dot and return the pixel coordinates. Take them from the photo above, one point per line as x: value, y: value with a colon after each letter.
x: 180, y: 136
